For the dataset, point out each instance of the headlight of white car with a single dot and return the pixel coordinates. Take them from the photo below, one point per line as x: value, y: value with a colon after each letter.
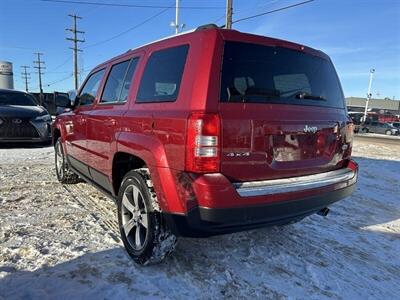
x: 44, y: 118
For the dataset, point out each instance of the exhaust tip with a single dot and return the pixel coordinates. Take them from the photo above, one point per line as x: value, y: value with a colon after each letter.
x: 323, y: 212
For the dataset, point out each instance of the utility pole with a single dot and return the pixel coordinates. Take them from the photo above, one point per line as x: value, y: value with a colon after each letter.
x: 39, y: 65
x: 75, y: 48
x: 25, y: 76
x: 229, y: 13
x: 369, y: 95
x: 178, y: 27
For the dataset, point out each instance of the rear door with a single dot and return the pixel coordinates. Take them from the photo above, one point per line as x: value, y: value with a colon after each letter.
x: 282, y: 113
x: 104, y: 120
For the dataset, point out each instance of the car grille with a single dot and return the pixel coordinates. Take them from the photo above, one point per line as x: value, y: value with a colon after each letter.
x: 17, y: 128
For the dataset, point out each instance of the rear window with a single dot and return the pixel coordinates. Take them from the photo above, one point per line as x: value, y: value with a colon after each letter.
x: 162, y: 76
x: 262, y: 74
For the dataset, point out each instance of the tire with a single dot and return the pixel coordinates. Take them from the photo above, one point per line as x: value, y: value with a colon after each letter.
x: 365, y: 130
x: 64, y: 174
x: 145, y: 236
x: 388, y: 132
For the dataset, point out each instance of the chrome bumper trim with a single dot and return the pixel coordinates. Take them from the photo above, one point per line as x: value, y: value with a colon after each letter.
x: 294, y: 184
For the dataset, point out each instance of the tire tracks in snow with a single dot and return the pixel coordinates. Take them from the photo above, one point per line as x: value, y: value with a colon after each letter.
x: 104, y: 215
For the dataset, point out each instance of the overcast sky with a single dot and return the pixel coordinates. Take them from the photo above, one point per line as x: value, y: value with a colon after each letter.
x: 357, y: 34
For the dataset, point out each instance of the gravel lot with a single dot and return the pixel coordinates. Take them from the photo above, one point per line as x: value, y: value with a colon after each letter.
x: 61, y: 242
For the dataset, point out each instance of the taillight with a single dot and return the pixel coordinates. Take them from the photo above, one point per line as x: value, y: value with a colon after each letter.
x: 203, y: 144
x: 321, y: 142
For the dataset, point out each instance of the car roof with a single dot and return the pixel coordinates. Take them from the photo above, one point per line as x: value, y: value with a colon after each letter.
x: 227, y: 34
x: 12, y: 91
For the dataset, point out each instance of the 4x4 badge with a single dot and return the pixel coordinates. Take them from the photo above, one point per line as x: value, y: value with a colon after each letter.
x: 312, y: 129
x: 238, y: 154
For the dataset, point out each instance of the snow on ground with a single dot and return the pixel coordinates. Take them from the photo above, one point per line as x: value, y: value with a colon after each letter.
x: 61, y: 242
x: 379, y: 136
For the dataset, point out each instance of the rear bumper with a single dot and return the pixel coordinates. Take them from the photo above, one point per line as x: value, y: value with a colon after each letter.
x: 295, y: 184
x: 224, y: 208
x: 203, y: 221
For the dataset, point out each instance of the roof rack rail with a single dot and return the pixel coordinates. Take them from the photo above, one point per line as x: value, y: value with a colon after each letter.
x: 206, y: 26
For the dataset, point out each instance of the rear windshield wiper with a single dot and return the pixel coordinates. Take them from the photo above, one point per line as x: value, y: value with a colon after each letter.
x: 305, y: 95
x: 234, y: 95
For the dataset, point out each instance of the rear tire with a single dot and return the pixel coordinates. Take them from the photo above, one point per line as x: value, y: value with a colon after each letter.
x: 365, y: 130
x: 145, y: 236
x: 64, y: 173
x: 388, y: 132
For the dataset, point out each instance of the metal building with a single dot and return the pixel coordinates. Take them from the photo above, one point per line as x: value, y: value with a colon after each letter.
x: 357, y: 104
x: 6, y: 75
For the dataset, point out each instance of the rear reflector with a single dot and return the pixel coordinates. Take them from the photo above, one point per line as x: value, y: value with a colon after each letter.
x: 203, y: 143
x: 349, y: 132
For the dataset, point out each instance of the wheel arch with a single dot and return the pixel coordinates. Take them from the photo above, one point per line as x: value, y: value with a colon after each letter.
x: 122, y: 163
x: 55, y: 135
x: 150, y: 151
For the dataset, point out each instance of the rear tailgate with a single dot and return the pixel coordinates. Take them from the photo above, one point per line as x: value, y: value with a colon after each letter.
x: 275, y: 141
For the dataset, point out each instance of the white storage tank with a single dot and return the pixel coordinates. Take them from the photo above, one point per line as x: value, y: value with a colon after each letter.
x: 6, y: 75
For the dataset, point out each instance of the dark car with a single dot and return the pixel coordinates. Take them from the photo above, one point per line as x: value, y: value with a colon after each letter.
x: 21, y: 119
x: 383, y: 128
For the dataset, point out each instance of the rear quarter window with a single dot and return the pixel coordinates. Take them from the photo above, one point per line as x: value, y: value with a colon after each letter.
x: 162, y: 76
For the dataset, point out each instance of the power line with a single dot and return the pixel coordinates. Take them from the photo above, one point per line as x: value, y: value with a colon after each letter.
x: 229, y: 14
x: 130, y: 5
x: 75, y: 48
x: 25, y: 76
x: 39, y: 65
x: 60, y: 80
x: 61, y: 65
x: 272, y: 11
x: 242, y: 10
x: 130, y: 29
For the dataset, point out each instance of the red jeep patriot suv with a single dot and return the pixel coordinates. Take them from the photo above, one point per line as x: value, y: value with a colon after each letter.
x: 209, y: 132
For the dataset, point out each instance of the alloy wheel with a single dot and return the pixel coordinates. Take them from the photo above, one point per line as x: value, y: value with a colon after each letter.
x: 134, y: 217
x: 59, y: 160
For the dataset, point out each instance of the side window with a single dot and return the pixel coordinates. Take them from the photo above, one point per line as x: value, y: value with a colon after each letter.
x: 118, y: 82
x: 89, y: 90
x: 128, y: 80
x: 114, y: 83
x: 162, y: 76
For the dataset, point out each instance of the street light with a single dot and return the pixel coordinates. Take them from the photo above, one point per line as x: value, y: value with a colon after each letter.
x: 178, y: 27
x: 369, y: 95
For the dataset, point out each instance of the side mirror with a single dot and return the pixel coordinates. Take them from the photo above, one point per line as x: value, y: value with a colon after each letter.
x: 62, y: 100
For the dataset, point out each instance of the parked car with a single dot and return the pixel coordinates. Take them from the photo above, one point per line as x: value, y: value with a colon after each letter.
x: 48, y: 100
x: 209, y: 132
x: 356, y: 119
x: 396, y: 124
x: 383, y: 128
x: 22, y: 120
